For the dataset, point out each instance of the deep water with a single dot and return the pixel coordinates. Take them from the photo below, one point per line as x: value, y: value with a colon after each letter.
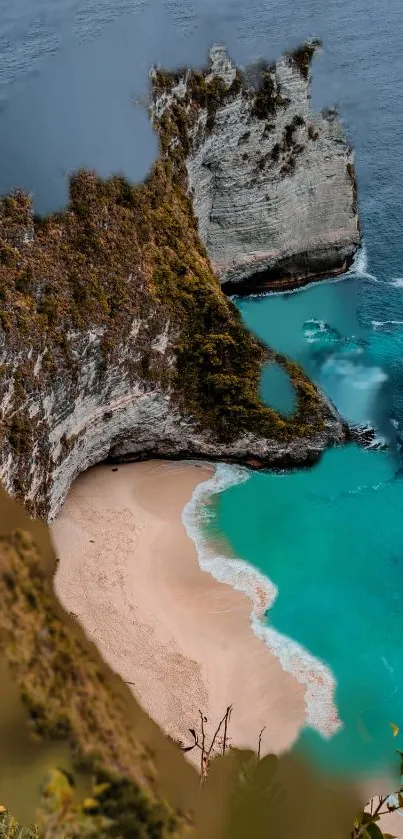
x: 330, y: 538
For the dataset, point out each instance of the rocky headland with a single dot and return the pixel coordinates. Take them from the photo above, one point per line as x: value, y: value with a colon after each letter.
x: 272, y: 183
x: 116, y: 339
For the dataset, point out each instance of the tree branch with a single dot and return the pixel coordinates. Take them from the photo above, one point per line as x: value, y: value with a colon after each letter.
x: 260, y: 741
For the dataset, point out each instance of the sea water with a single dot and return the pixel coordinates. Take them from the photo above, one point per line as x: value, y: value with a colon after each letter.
x: 331, y: 538
x: 327, y: 543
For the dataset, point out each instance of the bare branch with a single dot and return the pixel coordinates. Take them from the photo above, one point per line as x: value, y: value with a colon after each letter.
x: 203, y: 759
x: 227, y: 719
x: 260, y: 741
x: 362, y: 828
x: 221, y: 723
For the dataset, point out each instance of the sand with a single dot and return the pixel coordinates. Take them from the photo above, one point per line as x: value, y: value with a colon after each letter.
x: 181, y: 640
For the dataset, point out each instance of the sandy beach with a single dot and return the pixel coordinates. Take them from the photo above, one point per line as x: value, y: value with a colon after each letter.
x: 179, y: 638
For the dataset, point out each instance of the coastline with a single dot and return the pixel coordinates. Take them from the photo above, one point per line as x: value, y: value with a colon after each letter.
x: 357, y: 269
x: 279, y: 283
x: 213, y: 556
x: 181, y: 639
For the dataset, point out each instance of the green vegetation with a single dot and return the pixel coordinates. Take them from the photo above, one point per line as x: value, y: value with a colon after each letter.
x: 112, y: 809
x: 351, y: 174
x: 122, y: 252
x: 264, y: 104
x: 68, y: 697
x: 313, y: 133
x: 302, y: 56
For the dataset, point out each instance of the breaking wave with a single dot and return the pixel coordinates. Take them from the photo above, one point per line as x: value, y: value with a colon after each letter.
x: 379, y: 324
x: 316, y: 678
x: 359, y: 267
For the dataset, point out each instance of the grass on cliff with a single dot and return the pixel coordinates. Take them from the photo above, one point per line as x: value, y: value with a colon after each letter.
x: 68, y: 697
x: 122, y: 252
x: 302, y: 56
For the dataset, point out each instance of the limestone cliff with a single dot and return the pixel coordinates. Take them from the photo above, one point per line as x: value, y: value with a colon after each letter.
x: 272, y: 183
x: 116, y: 339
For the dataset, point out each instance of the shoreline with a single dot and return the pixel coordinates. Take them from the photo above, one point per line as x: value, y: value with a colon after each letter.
x: 178, y: 637
x: 356, y: 270
x: 315, y: 677
x: 255, y: 285
x: 182, y: 640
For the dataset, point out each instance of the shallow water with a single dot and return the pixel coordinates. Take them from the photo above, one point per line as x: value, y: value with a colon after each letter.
x: 276, y: 389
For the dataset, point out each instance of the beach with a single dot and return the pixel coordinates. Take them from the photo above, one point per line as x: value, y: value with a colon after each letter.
x: 181, y: 640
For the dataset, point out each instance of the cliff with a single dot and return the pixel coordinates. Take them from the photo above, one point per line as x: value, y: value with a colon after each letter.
x: 272, y: 183
x: 138, y: 778
x: 115, y: 337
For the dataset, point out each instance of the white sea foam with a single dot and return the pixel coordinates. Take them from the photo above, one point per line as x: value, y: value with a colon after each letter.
x: 397, y: 282
x: 339, y: 278
x: 360, y: 264
x: 356, y: 375
x: 378, y: 324
x: 359, y: 267
x: 313, y: 329
x: 317, y: 679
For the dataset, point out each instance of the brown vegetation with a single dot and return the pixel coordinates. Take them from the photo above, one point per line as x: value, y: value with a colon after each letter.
x: 123, y: 251
x: 68, y: 697
x: 302, y: 56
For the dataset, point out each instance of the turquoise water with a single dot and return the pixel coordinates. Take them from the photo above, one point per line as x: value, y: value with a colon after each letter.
x: 276, y: 389
x: 331, y: 538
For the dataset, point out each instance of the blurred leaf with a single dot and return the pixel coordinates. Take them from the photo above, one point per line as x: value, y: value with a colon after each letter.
x: 59, y: 789
x: 90, y: 804
x: 366, y: 818
x: 374, y: 831
x: 98, y: 789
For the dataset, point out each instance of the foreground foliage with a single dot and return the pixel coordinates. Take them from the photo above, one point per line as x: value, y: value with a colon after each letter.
x: 68, y: 694
x: 68, y: 697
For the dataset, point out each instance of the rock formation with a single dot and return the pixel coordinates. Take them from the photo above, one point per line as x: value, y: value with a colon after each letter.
x: 272, y: 183
x: 115, y: 337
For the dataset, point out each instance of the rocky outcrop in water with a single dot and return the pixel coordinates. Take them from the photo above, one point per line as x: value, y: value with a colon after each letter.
x: 116, y: 340
x: 272, y: 183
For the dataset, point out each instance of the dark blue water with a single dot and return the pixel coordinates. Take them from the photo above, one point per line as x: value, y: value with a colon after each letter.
x: 331, y: 538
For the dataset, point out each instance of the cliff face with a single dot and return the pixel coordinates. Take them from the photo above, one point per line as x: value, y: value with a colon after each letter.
x: 272, y: 183
x: 115, y: 337
x: 80, y: 419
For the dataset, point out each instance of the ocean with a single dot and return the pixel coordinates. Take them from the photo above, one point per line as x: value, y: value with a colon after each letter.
x: 327, y: 543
